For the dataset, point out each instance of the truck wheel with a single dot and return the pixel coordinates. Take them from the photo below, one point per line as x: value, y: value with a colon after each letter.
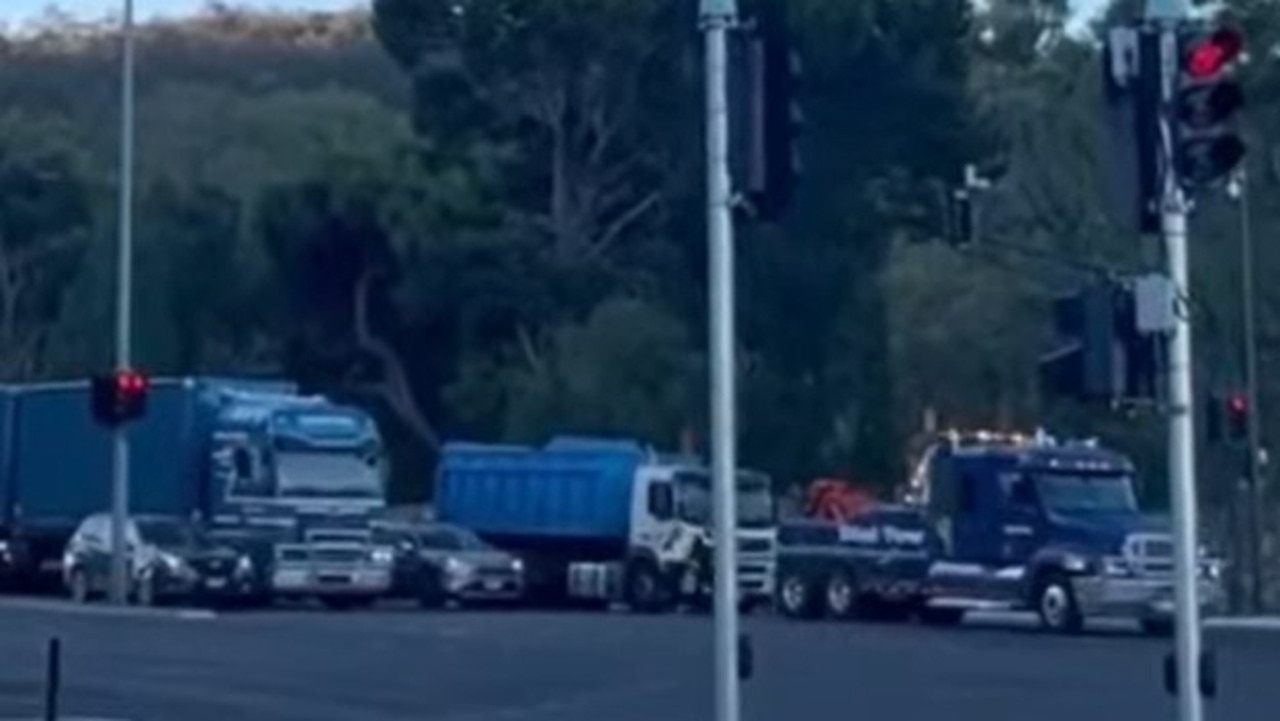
x: 796, y: 596
x: 841, y: 595
x: 1056, y: 604
x: 644, y: 588
x: 79, y: 586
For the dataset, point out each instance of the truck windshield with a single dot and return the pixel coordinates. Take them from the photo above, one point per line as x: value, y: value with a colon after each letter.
x: 318, y: 474
x: 1067, y: 493
x: 754, y: 498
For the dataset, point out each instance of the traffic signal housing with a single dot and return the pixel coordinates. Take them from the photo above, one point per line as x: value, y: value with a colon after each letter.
x: 1237, y: 417
x: 1086, y: 366
x: 118, y: 398
x: 766, y: 117
x: 1207, y: 146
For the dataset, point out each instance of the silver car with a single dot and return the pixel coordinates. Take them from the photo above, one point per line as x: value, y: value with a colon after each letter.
x: 438, y: 563
x: 342, y: 568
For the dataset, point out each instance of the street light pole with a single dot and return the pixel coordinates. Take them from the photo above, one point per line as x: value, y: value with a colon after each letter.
x: 124, y: 312
x: 1253, y: 463
x: 717, y: 17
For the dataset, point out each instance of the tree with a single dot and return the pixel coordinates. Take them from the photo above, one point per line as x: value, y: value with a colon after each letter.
x: 44, y: 229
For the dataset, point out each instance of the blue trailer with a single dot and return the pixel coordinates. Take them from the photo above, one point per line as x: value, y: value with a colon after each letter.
x: 253, y: 459
x: 604, y: 520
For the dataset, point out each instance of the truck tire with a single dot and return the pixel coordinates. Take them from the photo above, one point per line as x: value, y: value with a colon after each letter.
x: 645, y: 592
x: 840, y: 595
x: 797, y: 595
x: 1055, y: 604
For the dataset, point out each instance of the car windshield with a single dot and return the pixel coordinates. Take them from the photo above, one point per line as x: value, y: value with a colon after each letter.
x: 754, y: 498
x: 170, y: 534
x: 1065, y: 492
x: 315, y: 474
x: 453, y: 539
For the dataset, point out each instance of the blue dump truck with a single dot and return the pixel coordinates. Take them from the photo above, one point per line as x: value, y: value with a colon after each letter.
x: 997, y: 523
x: 599, y: 520
x: 295, y: 479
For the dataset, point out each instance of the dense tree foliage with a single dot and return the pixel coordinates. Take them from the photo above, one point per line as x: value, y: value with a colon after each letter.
x: 483, y: 219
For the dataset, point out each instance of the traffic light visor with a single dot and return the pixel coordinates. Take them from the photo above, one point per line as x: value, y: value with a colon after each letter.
x: 1208, y: 55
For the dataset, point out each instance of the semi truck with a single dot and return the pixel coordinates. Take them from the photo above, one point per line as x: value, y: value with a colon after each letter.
x: 997, y: 522
x: 601, y: 520
x: 255, y: 462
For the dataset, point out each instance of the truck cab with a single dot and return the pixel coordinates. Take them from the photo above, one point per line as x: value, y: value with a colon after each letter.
x: 672, y: 520
x: 1030, y: 524
x: 289, y: 471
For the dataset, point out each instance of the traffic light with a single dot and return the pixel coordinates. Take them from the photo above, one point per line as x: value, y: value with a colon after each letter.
x: 1237, y: 417
x: 765, y: 74
x: 1089, y: 366
x: 1206, y: 100
x: 118, y: 398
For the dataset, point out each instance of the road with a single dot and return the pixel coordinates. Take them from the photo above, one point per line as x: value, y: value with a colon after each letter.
x: 398, y: 665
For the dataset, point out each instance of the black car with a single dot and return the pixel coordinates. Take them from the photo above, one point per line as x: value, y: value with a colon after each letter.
x: 439, y: 563
x: 168, y: 559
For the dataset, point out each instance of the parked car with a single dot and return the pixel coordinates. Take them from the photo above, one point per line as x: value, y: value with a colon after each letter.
x: 168, y: 559
x: 437, y: 564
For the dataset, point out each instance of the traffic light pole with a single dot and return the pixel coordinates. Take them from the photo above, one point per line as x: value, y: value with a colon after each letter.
x: 1181, y: 402
x: 717, y: 17
x: 124, y: 313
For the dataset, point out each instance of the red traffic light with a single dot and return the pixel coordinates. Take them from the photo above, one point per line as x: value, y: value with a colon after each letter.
x: 1209, y: 55
x: 130, y: 382
x: 1238, y: 405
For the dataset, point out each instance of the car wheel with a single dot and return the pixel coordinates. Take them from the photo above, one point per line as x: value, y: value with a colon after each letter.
x: 1056, y: 604
x: 78, y: 585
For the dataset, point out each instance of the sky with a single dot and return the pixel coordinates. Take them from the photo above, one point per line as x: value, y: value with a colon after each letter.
x: 13, y: 12
x: 22, y: 11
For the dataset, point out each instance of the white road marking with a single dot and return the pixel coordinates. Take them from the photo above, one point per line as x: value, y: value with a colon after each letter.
x: 101, y: 609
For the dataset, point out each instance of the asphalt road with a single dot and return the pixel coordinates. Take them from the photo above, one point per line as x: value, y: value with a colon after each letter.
x: 519, y: 666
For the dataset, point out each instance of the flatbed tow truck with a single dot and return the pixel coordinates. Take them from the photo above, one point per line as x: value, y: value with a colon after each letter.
x: 994, y: 522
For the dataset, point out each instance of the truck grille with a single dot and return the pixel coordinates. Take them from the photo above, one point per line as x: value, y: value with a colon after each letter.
x: 338, y: 555
x: 754, y: 545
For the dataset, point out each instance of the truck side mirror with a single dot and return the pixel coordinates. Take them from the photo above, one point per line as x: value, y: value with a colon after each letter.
x: 661, y: 501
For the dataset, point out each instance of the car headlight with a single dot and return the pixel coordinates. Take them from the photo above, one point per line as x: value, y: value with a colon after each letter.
x: 244, y: 566
x: 1075, y: 564
x: 382, y: 555
x: 517, y: 565
x: 1112, y: 566
x: 457, y: 567
x: 171, y: 563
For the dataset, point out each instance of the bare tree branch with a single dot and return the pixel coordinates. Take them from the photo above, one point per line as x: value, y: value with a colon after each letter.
x: 394, y: 388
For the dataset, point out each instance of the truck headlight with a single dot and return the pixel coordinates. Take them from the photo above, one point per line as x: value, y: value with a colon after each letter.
x: 244, y: 566
x: 1075, y: 564
x: 517, y: 565
x: 1112, y: 566
x: 382, y: 555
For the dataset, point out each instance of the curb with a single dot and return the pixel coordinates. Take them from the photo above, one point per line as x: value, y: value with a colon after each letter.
x: 67, y: 607
x: 1244, y: 623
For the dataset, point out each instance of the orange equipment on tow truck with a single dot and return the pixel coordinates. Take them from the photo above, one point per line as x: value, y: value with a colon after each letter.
x: 831, y: 499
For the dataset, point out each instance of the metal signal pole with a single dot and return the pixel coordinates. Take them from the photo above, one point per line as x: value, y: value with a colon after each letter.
x: 1173, y: 216
x: 124, y: 313
x: 717, y: 17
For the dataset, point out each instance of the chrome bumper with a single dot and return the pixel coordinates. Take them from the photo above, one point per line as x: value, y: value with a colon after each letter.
x: 309, y: 580
x: 1137, y: 597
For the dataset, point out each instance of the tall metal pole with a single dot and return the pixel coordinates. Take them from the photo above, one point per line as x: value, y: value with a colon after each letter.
x: 1168, y: 13
x: 124, y: 313
x: 1252, y: 465
x: 718, y: 16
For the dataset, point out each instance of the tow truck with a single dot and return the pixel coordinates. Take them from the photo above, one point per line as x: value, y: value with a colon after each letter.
x: 996, y: 522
